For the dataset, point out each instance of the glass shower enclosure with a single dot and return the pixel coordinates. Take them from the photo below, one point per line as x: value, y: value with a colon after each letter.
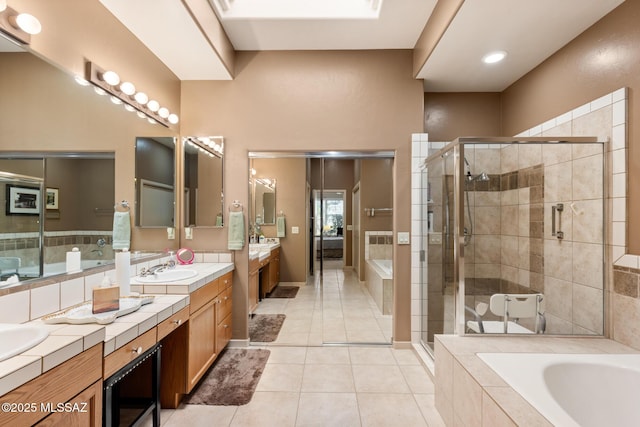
x: 513, y: 237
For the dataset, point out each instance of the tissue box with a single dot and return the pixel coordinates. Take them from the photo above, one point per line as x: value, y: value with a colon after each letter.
x: 106, y: 299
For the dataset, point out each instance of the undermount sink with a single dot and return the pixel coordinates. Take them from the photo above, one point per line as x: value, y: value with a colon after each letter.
x: 168, y: 275
x: 17, y: 338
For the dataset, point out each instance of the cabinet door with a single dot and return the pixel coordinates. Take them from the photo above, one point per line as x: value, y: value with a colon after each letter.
x: 83, y: 410
x: 202, y: 342
x: 223, y: 334
x: 254, y: 286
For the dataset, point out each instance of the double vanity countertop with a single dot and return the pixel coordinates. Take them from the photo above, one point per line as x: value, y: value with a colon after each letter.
x: 261, y: 250
x: 67, y: 340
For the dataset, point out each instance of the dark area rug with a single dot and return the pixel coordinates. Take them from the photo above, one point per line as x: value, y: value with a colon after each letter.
x: 284, y: 292
x: 265, y: 327
x: 232, y: 380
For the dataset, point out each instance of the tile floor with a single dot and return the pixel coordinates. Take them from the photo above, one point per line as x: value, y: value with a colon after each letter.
x: 306, y: 383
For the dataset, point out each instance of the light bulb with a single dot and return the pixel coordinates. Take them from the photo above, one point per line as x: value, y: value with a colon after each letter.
x: 99, y: 90
x: 129, y: 108
x: 152, y: 121
x: 81, y: 81
x: 163, y: 112
x: 127, y: 88
x: 110, y: 78
x: 173, y: 119
x: 116, y: 100
x: 3, y: 5
x: 141, y: 98
x: 28, y: 23
x: 493, y: 57
x: 153, y: 105
x: 142, y: 115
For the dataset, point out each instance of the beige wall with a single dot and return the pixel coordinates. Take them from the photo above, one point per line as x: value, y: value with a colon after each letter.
x: 451, y: 115
x: 602, y: 59
x: 290, y: 176
x: 301, y: 101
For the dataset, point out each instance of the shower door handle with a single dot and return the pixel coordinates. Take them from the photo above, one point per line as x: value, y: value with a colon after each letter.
x: 557, y: 209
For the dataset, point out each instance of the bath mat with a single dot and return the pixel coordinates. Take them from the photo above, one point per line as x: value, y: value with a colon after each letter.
x: 265, y: 327
x: 284, y: 292
x: 232, y: 379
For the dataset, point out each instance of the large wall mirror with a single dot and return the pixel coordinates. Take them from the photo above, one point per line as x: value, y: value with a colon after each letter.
x: 203, y: 181
x: 64, y: 141
x: 263, y: 200
x: 155, y: 182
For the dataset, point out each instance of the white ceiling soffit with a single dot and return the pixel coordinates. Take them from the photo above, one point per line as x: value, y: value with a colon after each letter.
x: 398, y: 26
x: 167, y: 29
x: 529, y: 31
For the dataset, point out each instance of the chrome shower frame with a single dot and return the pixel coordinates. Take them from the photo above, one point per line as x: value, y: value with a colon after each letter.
x: 457, y: 149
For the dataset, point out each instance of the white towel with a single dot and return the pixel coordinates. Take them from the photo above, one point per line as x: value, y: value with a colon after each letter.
x: 121, y: 230
x: 280, y: 227
x: 236, y: 231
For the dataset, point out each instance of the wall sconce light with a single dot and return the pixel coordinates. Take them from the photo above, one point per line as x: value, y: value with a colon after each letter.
x: 125, y: 92
x: 19, y: 27
x: 210, y: 145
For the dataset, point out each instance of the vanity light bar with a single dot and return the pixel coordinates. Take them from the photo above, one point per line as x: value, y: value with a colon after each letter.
x: 212, y: 145
x: 109, y: 81
x: 18, y: 27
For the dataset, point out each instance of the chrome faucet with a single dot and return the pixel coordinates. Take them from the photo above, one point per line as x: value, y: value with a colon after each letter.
x: 153, y: 270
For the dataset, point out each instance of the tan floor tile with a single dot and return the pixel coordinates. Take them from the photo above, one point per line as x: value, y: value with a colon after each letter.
x: 328, y: 355
x: 278, y: 377
x: 405, y: 357
x: 267, y: 409
x: 379, y: 379
x: 418, y: 379
x: 201, y: 416
x: 427, y: 406
x: 371, y: 356
x: 384, y: 410
x: 328, y: 410
x: 292, y: 355
x: 328, y: 378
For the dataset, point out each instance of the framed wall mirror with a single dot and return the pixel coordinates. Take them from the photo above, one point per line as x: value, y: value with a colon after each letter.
x: 155, y: 182
x: 203, y: 181
x: 263, y: 201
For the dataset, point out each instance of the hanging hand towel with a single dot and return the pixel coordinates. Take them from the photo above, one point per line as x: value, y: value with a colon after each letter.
x: 121, y: 230
x: 280, y: 227
x: 236, y: 231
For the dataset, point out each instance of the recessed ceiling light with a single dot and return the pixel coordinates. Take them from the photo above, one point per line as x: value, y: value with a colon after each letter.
x: 493, y: 57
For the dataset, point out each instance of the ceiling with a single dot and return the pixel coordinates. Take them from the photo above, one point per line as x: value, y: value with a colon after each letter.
x: 529, y: 31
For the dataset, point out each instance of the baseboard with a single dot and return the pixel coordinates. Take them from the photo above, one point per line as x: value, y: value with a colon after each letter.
x: 402, y: 345
x: 292, y: 283
x: 238, y: 343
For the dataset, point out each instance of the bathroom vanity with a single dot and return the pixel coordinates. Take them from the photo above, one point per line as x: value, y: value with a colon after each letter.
x: 264, y: 271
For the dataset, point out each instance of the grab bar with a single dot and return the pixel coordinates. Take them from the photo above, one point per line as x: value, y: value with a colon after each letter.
x: 559, y: 208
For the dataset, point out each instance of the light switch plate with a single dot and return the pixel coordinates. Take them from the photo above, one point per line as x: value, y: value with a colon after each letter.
x: 349, y: 227
x: 403, y: 237
x: 295, y: 230
x: 188, y: 233
x: 435, y: 238
x: 171, y: 233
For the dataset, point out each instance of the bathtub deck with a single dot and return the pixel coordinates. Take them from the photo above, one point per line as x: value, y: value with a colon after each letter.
x: 482, y: 398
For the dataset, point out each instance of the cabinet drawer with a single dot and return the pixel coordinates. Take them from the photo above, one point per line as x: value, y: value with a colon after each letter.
x: 128, y: 352
x: 169, y: 325
x: 224, y: 304
x: 203, y: 295
x: 226, y: 281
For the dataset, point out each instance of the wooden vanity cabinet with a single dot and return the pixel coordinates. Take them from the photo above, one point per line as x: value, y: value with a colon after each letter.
x: 274, y: 269
x: 78, y: 380
x: 190, y: 350
x: 254, y: 284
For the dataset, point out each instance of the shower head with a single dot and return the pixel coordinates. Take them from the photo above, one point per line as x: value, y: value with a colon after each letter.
x: 482, y: 177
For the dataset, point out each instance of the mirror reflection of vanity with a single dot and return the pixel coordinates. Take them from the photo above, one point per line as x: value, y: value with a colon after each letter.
x: 263, y: 196
x: 203, y: 181
x: 45, y: 113
x: 155, y: 181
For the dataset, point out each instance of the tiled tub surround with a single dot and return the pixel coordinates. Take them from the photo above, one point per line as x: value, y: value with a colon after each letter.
x: 469, y: 393
x: 66, y: 341
x: 378, y: 245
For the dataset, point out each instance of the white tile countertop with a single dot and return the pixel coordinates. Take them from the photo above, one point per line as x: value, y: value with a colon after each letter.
x: 66, y: 341
x: 207, y: 271
x: 261, y: 250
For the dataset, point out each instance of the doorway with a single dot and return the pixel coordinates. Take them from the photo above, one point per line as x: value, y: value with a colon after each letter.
x: 327, y: 199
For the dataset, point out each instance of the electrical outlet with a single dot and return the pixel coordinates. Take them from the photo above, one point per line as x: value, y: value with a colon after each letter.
x: 188, y: 233
x: 171, y: 233
x: 295, y: 230
x: 403, y: 238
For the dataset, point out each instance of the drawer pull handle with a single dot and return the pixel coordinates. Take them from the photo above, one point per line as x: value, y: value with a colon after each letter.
x: 226, y: 298
x: 226, y: 326
x: 177, y: 322
x: 137, y: 350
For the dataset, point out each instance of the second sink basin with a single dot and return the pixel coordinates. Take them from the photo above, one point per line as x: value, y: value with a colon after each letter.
x: 169, y: 275
x: 16, y: 338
